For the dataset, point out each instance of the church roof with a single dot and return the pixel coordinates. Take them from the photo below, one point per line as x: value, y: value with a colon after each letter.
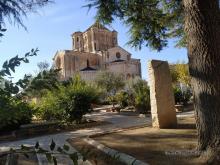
x: 98, y: 25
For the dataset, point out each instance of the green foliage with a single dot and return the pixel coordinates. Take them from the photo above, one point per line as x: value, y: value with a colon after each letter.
x: 151, y: 22
x: 122, y: 98
x: 50, y: 105
x: 109, y: 81
x: 182, y: 97
x: 9, y: 66
x: 45, y: 80
x: 68, y: 103
x: 51, y: 155
x: 14, y: 10
x: 180, y: 73
x: 142, y: 96
x: 13, y: 113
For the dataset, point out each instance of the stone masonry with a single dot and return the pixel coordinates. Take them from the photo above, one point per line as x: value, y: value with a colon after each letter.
x: 95, y: 50
x: 162, y: 98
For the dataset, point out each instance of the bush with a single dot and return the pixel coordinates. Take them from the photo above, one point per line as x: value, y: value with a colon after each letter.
x: 142, y: 96
x: 50, y: 105
x: 68, y: 103
x: 79, y: 103
x: 182, y: 97
x: 13, y: 113
x: 177, y: 95
x: 123, y: 99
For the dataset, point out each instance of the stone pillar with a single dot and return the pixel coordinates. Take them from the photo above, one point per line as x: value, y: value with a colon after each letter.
x: 161, y: 94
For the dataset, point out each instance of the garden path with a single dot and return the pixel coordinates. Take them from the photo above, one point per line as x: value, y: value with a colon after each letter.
x: 118, y: 121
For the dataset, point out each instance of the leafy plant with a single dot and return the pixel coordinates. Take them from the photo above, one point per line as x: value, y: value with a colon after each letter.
x: 50, y: 154
x: 13, y: 110
x: 69, y: 102
x: 122, y: 99
x: 111, y: 83
x: 45, y: 80
x: 141, y: 96
x: 182, y: 97
x: 180, y: 73
x: 13, y: 113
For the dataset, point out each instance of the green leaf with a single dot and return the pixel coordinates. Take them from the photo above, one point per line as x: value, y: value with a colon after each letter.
x: 27, y: 54
x: 54, y: 160
x: 37, y: 145
x: 66, y: 147
x: 5, y: 64
x: 52, y: 145
x: 49, y: 157
x: 74, y: 158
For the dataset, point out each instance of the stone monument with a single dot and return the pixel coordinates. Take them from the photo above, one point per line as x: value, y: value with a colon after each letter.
x: 161, y: 94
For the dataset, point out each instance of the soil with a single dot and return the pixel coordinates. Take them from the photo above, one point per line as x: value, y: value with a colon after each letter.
x: 158, y: 146
x: 95, y: 156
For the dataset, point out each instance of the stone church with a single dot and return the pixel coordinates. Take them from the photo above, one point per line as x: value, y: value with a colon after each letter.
x: 94, y: 50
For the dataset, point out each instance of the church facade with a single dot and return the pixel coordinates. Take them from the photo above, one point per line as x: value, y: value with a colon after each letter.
x: 95, y: 50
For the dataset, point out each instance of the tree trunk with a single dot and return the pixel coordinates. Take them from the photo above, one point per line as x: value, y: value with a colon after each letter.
x: 202, y: 27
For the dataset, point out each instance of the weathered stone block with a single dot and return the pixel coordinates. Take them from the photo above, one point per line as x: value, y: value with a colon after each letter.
x: 161, y: 94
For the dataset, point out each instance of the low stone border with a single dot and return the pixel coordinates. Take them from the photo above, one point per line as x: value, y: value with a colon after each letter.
x: 32, y: 130
x: 125, y: 158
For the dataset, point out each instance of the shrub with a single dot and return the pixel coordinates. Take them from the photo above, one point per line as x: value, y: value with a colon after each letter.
x: 111, y: 83
x: 13, y: 113
x: 177, y: 95
x: 123, y: 99
x: 182, y: 97
x: 68, y: 103
x: 50, y: 105
x: 79, y: 103
x: 142, y: 96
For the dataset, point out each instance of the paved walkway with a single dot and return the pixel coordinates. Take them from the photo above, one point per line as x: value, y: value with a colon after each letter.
x: 118, y: 122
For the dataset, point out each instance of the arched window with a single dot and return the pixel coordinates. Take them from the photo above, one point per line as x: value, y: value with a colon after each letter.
x: 118, y: 55
x: 77, y: 39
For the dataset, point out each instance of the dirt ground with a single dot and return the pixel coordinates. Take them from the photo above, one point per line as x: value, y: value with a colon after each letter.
x: 158, y: 147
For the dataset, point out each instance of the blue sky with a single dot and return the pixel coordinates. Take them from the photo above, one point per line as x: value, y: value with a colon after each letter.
x: 49, y: 30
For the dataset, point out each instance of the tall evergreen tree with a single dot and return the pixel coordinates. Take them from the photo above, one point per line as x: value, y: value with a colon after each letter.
x: 196, y: 23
